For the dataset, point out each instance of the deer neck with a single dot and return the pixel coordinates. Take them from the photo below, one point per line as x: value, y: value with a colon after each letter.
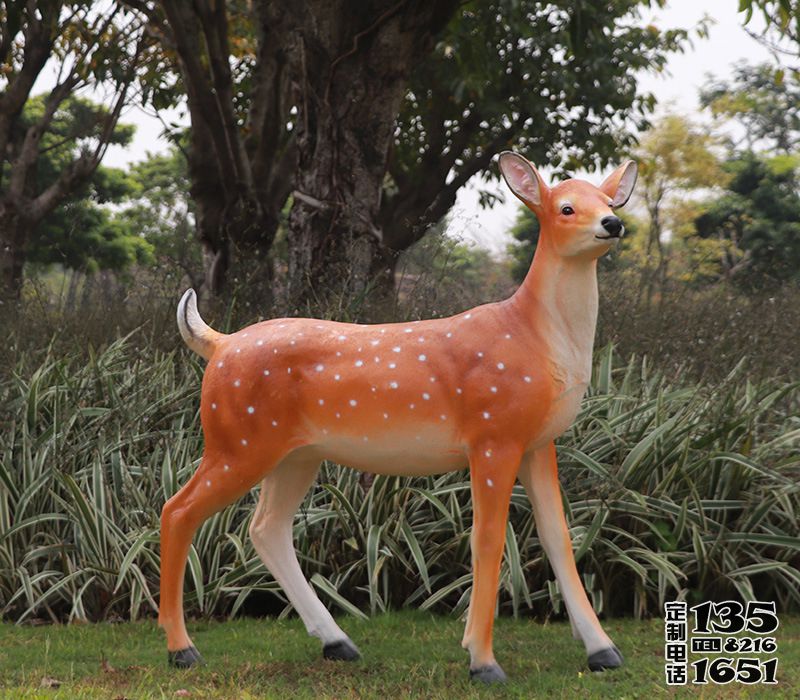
x: 558, y: 300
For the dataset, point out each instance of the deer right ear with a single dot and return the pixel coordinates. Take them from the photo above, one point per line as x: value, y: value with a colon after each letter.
x: 521, y: 177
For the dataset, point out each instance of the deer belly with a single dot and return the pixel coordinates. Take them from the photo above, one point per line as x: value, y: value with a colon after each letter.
x: 388, y: 455
x: 560, y: 416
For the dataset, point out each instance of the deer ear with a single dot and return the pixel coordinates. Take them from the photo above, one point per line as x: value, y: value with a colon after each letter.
x: 521, y: 177
x: 619, y: 185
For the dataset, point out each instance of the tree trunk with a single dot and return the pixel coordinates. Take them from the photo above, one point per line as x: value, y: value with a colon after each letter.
x: 13, y: 235
x: 351, y: 83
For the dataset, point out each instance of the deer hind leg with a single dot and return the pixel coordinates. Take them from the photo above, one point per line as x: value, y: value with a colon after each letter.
x: 219, y: 481
x: 492, y: 472
x: 539, y: 475
x: 282, y: 491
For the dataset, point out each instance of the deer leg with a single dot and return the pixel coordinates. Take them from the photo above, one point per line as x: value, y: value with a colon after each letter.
x: 218, y: 482
x: 282, y: 491
x: 492, y: 471
x: 539, y: 475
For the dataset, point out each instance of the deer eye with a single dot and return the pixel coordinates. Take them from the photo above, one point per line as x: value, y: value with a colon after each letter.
x: 567, y: 210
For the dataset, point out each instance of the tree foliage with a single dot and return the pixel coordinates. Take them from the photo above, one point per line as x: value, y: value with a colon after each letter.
x: 759, y: 216
x: 765, y: 102
x: 555, y: 81
x: 90, y: 45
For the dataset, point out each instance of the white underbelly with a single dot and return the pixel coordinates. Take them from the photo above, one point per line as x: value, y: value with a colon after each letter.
x: 410, y: 457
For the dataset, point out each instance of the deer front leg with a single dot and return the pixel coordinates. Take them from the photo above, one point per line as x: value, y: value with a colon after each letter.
x: 539, y: 475
x: 492, y: 471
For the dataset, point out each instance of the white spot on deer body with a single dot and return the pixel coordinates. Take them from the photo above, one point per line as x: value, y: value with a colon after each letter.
x: 426, y: 396
x: 274, y: 424
x: 337, y: 377
x: 486, y: 415
x: 291, y: 342
x: 244, y: 335
x: 251, y: 409
x: 321, y: 402
x: 319, y: 368
x: 396, y: 348
x: 238, y: 349
x: 324, y: 431
x: 383, y: 330
x: 449, y: 335
x: 420, y: 339
x: 366, y: 439
x: 220, y: 363
x: 359, y: 349
x: 208, y: 483
x: 259, y: 342
x: 392, y: 365
x: 411, y: 406
x: 288, y: 370
x: 338, y: 415
x: 500, y: 365
x: 468, y: 316
x: 408, y: 330
x: 480, y: 354
x: 338, y: 354
x: 342, y: 337
x: 458, y: 390
x: 238, y: 382
x: 353, y: 402
x: 489, y: 483
x: 508, y: 336
x: 374, y: 342
x: 488, y: 453
x: 527, y: 379
x: 226, y: 467
x: 266, y: 373
x: 244, y: 442
x: 422, y: 358
x: 386, y: 416
x: 443, y: 417
x: 493, y: 389
x: 213, y: 407
x: 275, y: 351
x: 359, y: 363
x: 377, y: 359
x: 393, y: 385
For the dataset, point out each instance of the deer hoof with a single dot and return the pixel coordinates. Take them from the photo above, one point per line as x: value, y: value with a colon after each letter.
x: 605, y: 658
x: 488, y: 674
x: 185, y: 658
x: 343, y: 650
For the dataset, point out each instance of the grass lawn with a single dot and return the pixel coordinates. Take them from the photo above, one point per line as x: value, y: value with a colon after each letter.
x: 406, y: 655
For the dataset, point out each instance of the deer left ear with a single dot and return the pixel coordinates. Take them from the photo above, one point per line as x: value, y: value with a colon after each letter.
x: 619, y: 185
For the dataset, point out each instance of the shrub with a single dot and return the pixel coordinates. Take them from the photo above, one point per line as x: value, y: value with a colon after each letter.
x: 672, y: 490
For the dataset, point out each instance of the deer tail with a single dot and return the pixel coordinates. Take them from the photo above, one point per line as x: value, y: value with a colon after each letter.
x: 196, y: 333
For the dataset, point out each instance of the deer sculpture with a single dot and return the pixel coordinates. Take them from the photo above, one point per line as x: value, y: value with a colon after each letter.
x: 488, y: 389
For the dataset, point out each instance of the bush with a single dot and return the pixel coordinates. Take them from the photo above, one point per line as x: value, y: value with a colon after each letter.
x: 672, y: 490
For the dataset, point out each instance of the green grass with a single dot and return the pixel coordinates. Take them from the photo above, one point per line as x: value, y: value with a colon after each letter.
x: 406, y: 655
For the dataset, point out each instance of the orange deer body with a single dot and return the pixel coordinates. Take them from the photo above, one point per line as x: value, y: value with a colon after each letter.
x: 487, y: 389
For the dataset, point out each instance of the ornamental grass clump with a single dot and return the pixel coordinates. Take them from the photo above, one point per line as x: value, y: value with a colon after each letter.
x: 671, y: 490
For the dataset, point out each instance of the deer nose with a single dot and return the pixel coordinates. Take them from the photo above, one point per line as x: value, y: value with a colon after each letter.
x: 612, y: 224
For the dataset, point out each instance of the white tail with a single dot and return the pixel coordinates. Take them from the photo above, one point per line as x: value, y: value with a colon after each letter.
x: 196, y: 333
